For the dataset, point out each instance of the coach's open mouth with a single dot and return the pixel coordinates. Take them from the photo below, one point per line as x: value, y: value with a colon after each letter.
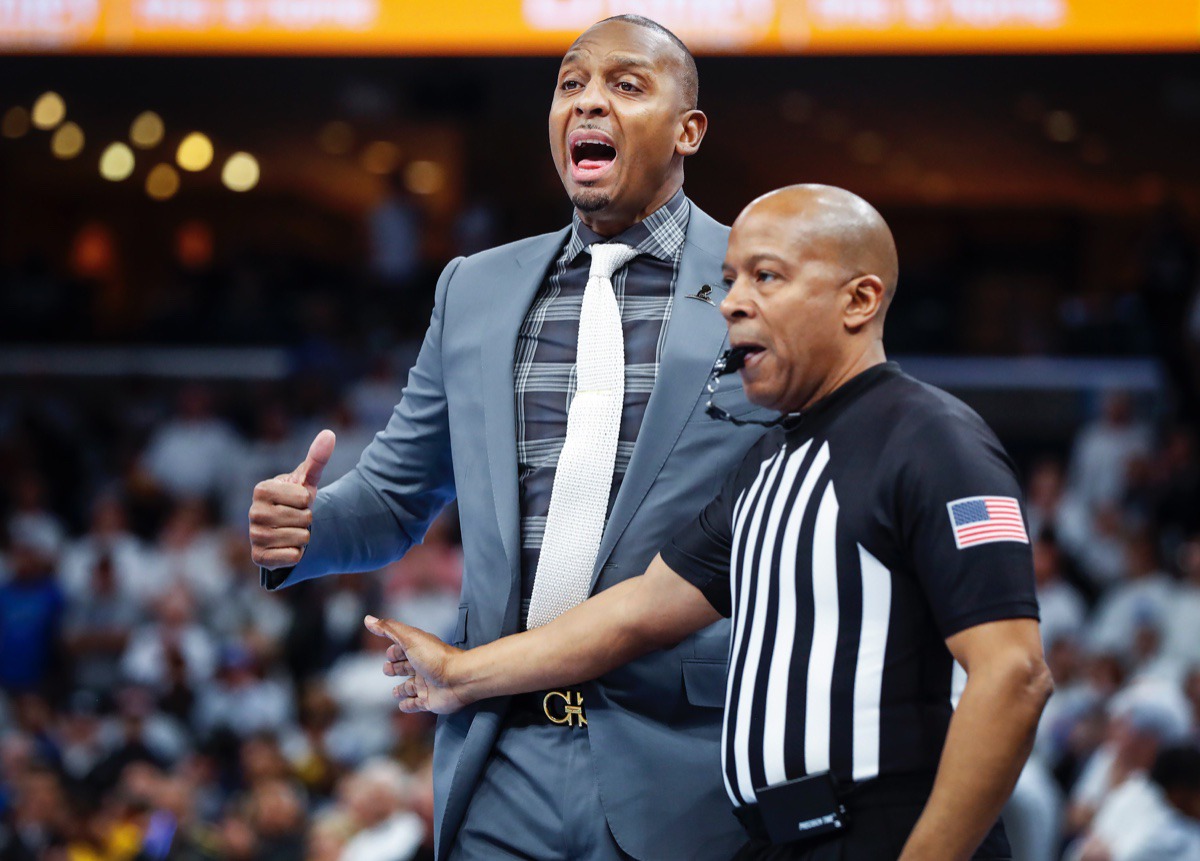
x: 592, y: 154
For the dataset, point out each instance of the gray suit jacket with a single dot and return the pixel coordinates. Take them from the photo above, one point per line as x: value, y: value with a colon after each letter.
x: 654, y: 725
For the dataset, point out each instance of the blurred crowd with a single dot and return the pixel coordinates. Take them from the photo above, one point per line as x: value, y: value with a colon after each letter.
x: 1115, y: 772
x: 155, y: 701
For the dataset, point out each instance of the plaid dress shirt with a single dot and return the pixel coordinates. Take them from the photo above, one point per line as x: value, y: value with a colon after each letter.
x: 544, y: 366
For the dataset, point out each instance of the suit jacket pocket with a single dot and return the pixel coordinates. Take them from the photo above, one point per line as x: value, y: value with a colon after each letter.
x: 704, y: 682
x: 460, y: 630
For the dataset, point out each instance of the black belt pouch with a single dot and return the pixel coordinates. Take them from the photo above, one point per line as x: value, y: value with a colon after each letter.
x: 802, y: 809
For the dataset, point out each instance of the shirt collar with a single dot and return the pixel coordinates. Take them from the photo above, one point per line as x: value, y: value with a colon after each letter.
x: 846, y: 392
x: 660, y: 234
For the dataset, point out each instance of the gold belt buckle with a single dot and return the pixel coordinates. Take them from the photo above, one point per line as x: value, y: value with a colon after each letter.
x: 571, y: 711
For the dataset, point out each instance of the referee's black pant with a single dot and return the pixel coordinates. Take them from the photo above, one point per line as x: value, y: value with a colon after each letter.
x: 880, y: 822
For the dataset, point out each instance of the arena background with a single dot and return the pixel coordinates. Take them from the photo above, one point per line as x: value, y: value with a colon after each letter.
x: 220, y: 226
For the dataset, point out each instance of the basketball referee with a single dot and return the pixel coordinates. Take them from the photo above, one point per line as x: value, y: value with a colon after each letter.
x: 885, y: 672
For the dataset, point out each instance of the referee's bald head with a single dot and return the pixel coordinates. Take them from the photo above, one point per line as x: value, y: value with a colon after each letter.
x: 838, y: 225
x: 811, y: 270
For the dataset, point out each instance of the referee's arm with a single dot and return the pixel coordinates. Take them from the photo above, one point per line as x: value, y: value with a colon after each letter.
x: 641, y: 614
x: 990, y: 737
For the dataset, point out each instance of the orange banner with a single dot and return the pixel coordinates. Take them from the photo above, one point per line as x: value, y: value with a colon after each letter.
x: 548, y: 26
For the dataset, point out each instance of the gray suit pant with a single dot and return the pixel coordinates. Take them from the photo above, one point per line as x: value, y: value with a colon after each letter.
x: 537, y: 800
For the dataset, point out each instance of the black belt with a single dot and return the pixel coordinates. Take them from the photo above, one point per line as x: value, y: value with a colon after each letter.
x: 879, y: 792
x: 559, y: 708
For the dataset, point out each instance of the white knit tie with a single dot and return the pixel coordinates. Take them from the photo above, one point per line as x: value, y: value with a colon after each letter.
x: 583, y: 478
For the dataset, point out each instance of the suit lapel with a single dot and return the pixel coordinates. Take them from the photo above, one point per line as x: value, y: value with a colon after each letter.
x: 511, y: 295
x: 695, y: 334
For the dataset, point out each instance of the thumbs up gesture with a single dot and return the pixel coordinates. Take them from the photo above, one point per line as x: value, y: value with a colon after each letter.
x: 281, y: 510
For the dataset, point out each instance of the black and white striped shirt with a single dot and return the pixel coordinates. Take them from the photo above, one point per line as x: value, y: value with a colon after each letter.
x: 544, y: 365
x: 835, y: 550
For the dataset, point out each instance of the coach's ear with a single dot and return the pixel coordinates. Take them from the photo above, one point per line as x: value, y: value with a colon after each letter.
x: 864, y: 301
x: 691, y: 132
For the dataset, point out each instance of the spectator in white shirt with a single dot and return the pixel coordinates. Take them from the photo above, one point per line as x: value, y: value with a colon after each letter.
x: 191, y: 454
x: 240, y: 699
x: 175, y: 632
x: 1152, y: 817
x: 1062, y: 608
x: 31, y: 516
x: 1033, y: 814
x: 1104, y: 449
x: 1100, y: 548
x: 1051, y: 507
x: 365, y: 703
x: 97, y: 628
x: 1142, y: 599
x: 192, y: 554
x: 108, y: 536
x: 1144, y: 718
x: 375, y: 796
x: 1181, y: 638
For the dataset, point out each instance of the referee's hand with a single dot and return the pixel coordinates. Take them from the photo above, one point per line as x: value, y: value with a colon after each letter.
x: 425, y: 661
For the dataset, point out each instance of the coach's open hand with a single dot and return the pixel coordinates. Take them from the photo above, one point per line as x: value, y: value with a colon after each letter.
x: 426, y: 661
x: 281, y: 511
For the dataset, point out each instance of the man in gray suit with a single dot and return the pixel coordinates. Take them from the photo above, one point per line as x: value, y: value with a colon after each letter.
x: 560, y: 393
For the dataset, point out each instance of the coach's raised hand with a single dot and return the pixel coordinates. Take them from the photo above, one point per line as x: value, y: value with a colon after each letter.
x: 426, y: 661
x: 281, y: 510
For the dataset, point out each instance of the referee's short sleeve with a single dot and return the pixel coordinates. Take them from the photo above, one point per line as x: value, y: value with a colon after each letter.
x: 961, y: 516
x: 700, y: 552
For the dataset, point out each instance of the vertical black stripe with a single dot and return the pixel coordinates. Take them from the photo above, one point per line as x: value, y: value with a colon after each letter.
x: 758, y: 708
x: 747, y: 576
x: 845, y: 662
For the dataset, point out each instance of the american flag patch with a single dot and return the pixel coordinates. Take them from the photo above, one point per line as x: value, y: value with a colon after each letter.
x: 984, y: 519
